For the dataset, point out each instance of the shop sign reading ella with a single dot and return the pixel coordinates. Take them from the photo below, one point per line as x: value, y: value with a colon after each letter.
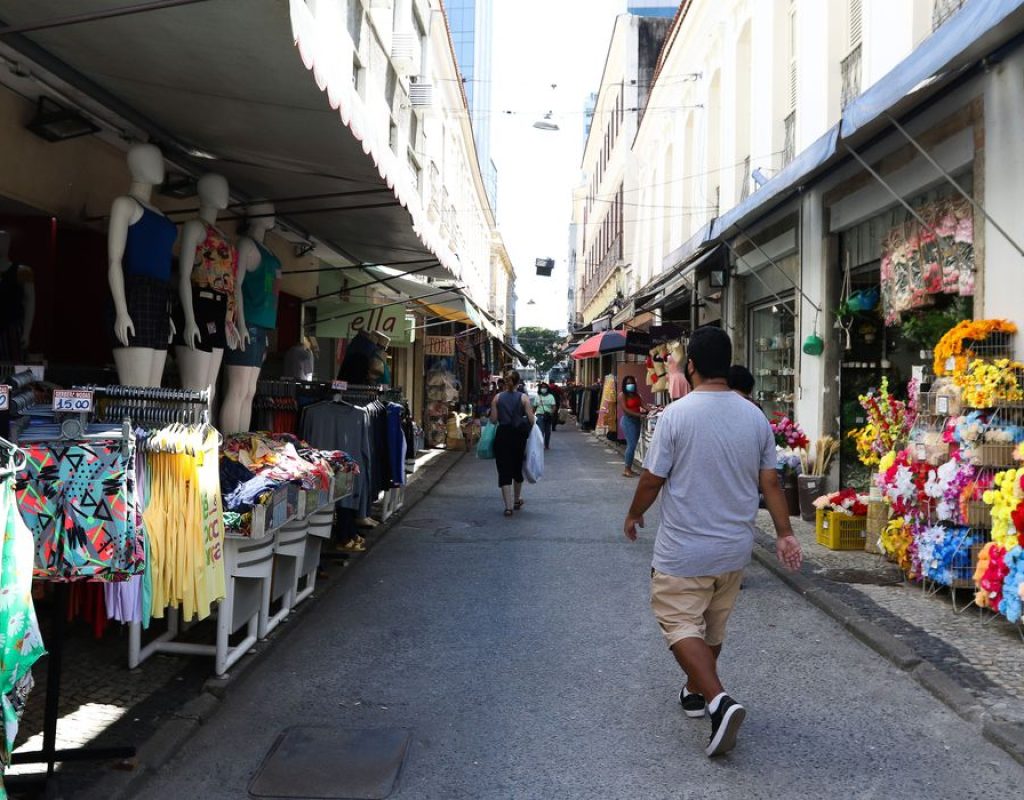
x: 386, y: 320
x: 439, y: 346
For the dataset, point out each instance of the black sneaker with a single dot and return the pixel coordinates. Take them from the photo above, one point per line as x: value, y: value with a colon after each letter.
x: 725, y: 724
x: 694, y: 705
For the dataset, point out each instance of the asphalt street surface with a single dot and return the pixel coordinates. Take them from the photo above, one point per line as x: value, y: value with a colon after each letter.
x: 522, y: 655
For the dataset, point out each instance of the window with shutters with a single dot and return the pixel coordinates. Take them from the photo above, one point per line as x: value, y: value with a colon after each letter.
x: 850, y: 67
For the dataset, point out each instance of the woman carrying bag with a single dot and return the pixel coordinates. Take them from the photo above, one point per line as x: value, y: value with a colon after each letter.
x: 512, y: 413
x: 545, y: 407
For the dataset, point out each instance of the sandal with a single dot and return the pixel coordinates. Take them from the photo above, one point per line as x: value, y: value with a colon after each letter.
x: 629, y: 474
x: 518, y: 504
x: 508, y: 512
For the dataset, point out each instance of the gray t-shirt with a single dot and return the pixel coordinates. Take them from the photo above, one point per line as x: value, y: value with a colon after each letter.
x: 710, y: 447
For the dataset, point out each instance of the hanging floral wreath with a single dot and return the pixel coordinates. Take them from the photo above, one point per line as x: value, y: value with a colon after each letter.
x: 956, y: 343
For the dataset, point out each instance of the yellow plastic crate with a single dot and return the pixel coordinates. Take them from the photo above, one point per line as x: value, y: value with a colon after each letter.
x: 840, y: 531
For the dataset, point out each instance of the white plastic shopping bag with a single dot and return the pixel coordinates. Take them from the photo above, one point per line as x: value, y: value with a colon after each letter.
x: 533, y: 464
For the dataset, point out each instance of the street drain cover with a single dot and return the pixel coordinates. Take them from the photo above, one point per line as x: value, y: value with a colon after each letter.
x: 319, y: 763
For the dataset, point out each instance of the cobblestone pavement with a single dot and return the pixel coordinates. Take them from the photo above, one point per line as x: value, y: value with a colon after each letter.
x: 981, y: 651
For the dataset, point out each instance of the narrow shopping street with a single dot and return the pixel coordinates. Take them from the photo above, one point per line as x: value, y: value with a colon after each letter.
x: 523, y: 659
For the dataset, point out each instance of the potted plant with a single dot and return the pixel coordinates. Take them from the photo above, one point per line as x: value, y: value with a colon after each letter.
x: 787, y: 463
x: 814, y: 467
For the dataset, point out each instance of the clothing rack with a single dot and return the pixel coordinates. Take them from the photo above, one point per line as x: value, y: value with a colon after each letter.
x: 151, y: 405
x: 49, y: 754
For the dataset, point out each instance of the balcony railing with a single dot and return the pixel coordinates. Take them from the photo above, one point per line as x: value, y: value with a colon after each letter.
x: 789, y: 140
x: 850, y: 67
x: 611, y: 261
x: 943, y: 10
x: 744, y: 180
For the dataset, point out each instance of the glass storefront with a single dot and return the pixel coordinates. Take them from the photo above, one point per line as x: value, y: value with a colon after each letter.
x: 772, y: 329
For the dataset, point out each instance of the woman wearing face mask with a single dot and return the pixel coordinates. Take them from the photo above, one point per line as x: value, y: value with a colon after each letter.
x: 545, y: 406
x: 633, y: 413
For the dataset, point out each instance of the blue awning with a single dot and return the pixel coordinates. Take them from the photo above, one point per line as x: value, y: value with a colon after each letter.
x: 793, y: 175
x: 972, y: 32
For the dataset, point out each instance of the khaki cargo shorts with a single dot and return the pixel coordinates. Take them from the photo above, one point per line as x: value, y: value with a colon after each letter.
x: 694, y: 608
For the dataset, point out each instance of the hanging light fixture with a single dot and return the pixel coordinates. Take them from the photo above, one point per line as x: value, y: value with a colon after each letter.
x: 545, y: 123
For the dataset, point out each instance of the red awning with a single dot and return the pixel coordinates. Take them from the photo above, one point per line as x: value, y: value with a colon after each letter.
x: 601, y: 344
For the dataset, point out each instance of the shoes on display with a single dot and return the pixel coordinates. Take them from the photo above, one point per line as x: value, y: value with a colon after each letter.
x: 725, y: 725
x: 694, y: 705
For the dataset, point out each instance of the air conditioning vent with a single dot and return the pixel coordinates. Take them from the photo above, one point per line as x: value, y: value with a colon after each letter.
x: 421, y: 93
x: 403, y: 52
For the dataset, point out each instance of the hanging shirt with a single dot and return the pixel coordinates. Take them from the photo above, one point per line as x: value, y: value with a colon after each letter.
x: 340, y: 426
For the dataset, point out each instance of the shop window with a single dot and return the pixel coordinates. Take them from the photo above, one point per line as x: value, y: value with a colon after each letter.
x: 772, y: 346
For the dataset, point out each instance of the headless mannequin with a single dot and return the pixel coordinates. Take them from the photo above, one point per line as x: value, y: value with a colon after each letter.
x: 24, y: 280
x: 136, y: 366
x: 236, y: 410
x: 198, y: 368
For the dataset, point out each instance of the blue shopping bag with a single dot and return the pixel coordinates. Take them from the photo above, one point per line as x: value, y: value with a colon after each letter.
x: 485, y: 447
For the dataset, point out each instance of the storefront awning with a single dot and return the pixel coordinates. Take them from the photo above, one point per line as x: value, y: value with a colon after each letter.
x: 222, y: 87
x: 517, y: 354
x: 681, y: 279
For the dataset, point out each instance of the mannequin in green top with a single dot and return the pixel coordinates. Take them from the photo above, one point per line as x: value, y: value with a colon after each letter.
x: 259, y: 275
x: 546, y: 406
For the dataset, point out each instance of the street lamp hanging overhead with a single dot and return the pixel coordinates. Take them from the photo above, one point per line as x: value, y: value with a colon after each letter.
x: 546, y: 123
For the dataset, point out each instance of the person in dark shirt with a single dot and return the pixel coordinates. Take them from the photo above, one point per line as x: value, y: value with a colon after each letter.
x: 741, y: 381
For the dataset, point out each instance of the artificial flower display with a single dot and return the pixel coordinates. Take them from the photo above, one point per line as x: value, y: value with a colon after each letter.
x: 897, y: 542
x: 1012, y: 602
x: 1007, y: 500
x: 788, y: 433
x: 945, y: 488
x: 787, y: 461
x: 985, y: 384
x: 903, y: 486
x: 989, y: 576
x: 845, y: 501
x: 956, y: 348
x: 888, y: 422
x: 945, y: 553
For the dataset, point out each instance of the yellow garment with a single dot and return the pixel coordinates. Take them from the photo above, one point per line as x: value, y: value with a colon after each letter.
x: 185, y: 525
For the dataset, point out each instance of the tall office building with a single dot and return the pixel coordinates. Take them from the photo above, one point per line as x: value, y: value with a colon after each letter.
x: 472, y: 26
x: 652, y: 8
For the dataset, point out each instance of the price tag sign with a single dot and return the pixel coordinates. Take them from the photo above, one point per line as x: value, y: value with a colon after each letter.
x: 922, y: 453
x: 942, y: 405
x: 5, y: 398
x: 950, y: 364
x: 72, y: 401
x: 339, y: 386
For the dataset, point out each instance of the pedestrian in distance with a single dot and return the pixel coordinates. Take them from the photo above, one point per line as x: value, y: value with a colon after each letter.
x: 545, y: 406
x: 741, y: 381
x: 710, y: 453
x: 633, y: 414
x: 512, y: 412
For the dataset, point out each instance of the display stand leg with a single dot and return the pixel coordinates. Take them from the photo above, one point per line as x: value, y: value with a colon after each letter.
x: 49, y: 754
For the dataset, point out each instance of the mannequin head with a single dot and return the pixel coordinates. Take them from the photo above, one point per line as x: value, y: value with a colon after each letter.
x: 146, y: 164
x: 213, y: 191
x: 5, y: 244
x: 259, y: 219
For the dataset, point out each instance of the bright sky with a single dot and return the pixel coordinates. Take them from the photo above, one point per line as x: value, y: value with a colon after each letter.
x: 538, y: 43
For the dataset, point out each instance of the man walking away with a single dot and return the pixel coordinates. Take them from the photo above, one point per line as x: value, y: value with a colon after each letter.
x: 711, y: 451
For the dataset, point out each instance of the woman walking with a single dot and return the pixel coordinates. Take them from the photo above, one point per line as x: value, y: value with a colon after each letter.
x: 546, y: 407
x: 633, y: 413
x: 512, y: 413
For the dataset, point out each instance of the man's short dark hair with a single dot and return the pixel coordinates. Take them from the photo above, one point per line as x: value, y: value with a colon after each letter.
x: 740, y: 379
x: 710, y: 349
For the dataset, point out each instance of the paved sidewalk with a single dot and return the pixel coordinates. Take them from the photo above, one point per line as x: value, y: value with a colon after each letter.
x: 522, y: 656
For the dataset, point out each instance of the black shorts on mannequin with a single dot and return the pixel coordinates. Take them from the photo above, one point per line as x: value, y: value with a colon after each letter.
x: 211, y: 311
x: 149, y: 305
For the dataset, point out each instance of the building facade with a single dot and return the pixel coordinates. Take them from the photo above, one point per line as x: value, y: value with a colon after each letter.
x: 603, y: 218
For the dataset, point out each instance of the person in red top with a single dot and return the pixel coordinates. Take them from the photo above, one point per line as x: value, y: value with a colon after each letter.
x: 633, y: 413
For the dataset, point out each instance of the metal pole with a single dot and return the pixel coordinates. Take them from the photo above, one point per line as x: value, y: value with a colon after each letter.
x: 772, y: 261
x: 370, y: 283
x: 977, y: 206
x: 383, y: 305
x: 94, y: 16
x: 766, y: 286
x: 432, y: 261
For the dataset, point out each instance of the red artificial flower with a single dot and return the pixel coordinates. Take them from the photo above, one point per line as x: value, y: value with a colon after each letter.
x: 1017, y: 515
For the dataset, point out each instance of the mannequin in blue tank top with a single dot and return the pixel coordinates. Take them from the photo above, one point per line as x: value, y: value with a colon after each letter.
x: 259, y: 273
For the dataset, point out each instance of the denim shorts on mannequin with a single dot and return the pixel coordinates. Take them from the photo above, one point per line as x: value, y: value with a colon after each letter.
x: 252, y: 355
x: 211, y: 311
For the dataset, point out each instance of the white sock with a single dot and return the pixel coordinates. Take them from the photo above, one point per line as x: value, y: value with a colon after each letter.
x: 713, y: 705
